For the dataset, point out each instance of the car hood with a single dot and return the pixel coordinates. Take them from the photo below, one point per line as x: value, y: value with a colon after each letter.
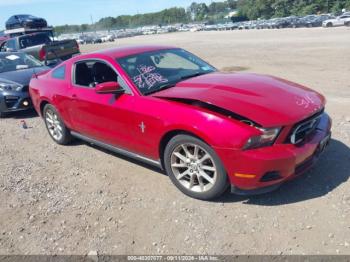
x: 267, y: 100
x: 21, y: 77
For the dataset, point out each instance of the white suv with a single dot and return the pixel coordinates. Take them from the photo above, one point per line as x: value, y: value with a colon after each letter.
x: 344, y: 19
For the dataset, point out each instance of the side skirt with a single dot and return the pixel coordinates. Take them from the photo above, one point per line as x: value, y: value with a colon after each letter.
x: 118, y: 150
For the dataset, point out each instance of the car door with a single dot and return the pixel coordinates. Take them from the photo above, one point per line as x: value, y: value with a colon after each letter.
x: 341, y: 20
x: 345, y: 18
x: 104, y: 117
x: 9, y: 46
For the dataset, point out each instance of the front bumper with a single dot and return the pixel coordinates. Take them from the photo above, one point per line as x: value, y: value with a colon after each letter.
x: 12, y: 101
x: 248, y: 170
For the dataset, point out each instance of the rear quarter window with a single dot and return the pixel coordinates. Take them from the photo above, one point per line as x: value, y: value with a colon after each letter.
x: 33, y: 40
x: 59, y: 73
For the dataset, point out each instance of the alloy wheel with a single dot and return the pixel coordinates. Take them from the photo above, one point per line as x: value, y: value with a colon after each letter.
x: 54, y: 125
x: 193, y: 167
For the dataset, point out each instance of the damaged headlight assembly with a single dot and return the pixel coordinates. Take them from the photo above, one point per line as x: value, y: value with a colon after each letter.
x: 267, y: 138
x: 10, y: 87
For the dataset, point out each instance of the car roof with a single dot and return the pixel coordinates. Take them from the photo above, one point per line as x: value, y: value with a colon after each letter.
x: 125, y: 51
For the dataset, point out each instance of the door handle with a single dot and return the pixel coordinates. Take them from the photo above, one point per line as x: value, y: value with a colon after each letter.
x: 74, y: 96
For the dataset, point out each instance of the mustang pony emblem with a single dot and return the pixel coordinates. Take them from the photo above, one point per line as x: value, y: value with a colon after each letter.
x: 305, y: 101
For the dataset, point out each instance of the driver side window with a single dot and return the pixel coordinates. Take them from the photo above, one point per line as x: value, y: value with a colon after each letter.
x: 11, y: 44
x: 90, y: 73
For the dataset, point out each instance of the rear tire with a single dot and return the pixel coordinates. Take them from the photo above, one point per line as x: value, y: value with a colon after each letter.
x: 55, y: 126
x: 194, y: 168
x: 347, y: 24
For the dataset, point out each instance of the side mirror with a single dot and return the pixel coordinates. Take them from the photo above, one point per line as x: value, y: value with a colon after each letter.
x: 109, y: 88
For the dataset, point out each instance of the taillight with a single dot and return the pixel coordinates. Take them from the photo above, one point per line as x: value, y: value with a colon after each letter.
x: 42, y: 54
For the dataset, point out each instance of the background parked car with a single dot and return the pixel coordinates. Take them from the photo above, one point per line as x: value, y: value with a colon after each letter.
x: 97, y: 40
x: 41, y: 46
x: 86, y: 39
x: 282, y: 23
x: 108, y: 38
x: 16, y: 70
x: 339, y: 21
x: 25, y: 21
x: 317, y: 21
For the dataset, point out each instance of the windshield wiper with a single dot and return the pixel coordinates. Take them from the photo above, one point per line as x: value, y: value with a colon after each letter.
x: 160, y: 88
x: 193, y: 75
x: 172, y: 84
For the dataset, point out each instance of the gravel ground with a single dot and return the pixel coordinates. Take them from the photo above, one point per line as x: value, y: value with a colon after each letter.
x: 80, y: 199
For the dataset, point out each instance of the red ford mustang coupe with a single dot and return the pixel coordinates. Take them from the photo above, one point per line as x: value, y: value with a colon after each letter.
x: 165, y: 106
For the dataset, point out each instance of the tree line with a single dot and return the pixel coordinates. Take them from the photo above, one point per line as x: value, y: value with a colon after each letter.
x: 265, y: 9
x: 216, y: 11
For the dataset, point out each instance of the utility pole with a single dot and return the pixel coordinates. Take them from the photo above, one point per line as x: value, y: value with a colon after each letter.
x: 92, y: 23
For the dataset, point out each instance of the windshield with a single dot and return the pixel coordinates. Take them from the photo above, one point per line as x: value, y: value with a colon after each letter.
x: 17, y: 61
x: 157, y: 70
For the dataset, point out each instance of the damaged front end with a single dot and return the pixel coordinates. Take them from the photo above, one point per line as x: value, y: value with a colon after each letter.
x: 216, y: 109
x: 267, y: 137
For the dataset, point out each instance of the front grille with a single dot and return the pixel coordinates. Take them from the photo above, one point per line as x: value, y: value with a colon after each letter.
x: 303, y: 129
x: 11, y: 101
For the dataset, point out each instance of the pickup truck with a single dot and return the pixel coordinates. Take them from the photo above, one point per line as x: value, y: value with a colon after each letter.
x: 41, y: 46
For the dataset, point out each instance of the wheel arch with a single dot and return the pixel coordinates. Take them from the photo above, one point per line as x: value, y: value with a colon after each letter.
x: 43, y: 103
x: 169, y: 135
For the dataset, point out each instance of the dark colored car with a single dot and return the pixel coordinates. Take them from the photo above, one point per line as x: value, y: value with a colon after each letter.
x: 90, y: 39
x: 16, y: 70
x: 97, y: 40
x: 296, y: 22
x: 283, y: 22
x: 318, y: 20
x: 26, y: 21
x: 85, y: 39
x: 307, y: 21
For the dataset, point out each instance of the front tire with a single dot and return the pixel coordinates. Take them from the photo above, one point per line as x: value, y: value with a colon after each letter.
x: 194, y: 168
x: 55, y: 126
x: 329, y: 25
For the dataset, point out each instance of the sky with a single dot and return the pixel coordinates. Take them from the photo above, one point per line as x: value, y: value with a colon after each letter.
x: 60, y: 12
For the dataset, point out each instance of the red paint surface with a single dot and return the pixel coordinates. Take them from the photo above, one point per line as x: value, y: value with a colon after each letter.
x: 269, y: 101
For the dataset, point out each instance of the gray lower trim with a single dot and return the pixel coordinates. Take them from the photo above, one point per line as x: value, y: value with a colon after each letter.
x: 117, y: 150
x: 253, y: 192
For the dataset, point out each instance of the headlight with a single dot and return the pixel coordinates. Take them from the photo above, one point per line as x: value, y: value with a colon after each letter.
x: 10, y: 87
x: 266, y: 139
